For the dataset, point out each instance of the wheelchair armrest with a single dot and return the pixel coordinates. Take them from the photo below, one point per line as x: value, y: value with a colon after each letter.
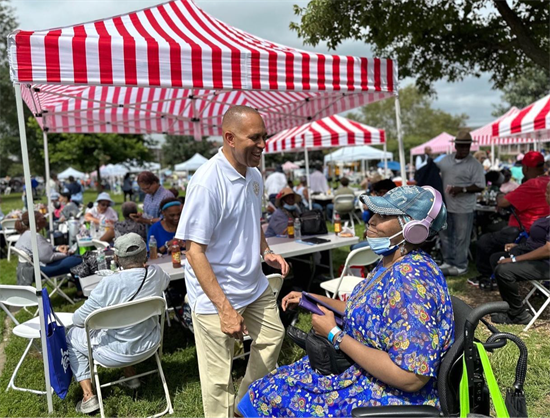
x: 397, y: 411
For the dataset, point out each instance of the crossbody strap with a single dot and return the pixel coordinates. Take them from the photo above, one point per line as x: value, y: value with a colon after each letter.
x: 141, y: 285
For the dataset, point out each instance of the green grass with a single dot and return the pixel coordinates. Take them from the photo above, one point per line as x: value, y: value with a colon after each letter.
x: 180, y: 365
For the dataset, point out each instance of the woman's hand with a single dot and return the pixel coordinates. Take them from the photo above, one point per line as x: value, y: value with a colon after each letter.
x: 138, y: 217
x: 508, y: 247
x: 322, y: 324
x: 291, y: 300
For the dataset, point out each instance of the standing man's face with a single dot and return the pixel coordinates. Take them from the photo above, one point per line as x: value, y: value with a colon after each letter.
x: 462, y: 151
x: 249, y: 140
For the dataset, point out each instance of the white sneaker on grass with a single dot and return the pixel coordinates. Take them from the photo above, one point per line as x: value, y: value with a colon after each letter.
x: 444, y: 266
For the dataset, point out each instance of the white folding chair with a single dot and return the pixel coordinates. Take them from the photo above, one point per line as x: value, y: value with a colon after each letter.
x: 540, y: 287
x: 100, y: 245
x: 126, y: 315
x: 7, y: 191
x: 25, y: 297
x: 10, y: 234
x: 276, y: 283
x: 345, y: 283
x: 52, y: 281
x: 347, y: 203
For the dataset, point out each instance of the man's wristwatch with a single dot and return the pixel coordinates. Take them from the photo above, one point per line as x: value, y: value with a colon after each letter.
x: 267, y: 251
x: 464, y: 190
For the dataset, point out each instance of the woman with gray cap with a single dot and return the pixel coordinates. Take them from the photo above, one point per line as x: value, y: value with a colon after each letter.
x: 398, y: 323
x: 117, y: 347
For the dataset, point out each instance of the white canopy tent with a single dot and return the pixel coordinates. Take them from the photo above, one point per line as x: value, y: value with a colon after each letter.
x: 359, y: 153
x: 65, y: 174
x: 192, y: 164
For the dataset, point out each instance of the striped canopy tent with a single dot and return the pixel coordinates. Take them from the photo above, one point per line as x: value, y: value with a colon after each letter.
x: 531, y: 123
x: 329, y: 132
x: 175, y: 69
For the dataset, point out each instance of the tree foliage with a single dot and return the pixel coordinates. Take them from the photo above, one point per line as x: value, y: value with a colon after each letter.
x: 87, y: 152
x: 10, y: 149
x: 420, y: 122
x: 523, y: 90
x: 179, y: 148
x: 437, y: 39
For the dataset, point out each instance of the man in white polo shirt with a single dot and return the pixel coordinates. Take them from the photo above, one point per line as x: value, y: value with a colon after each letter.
x: 228, y: 293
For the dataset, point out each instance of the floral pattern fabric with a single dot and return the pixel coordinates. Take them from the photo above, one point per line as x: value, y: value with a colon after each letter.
x: 406, y: 312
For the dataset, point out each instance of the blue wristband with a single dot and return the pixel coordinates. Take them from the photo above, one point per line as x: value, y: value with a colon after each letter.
x: 332, y: 333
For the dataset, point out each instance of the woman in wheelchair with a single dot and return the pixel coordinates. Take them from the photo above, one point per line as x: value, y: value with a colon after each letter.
x: 398, y: 323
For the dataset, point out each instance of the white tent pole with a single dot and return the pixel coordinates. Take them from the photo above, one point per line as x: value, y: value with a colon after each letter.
x: 34, y: 243
x: 411, y: 166
x: 400, y: 141
x: 48, y: 191
x: 492, y: 153
x: 310, y: 198
x: 385, y: 160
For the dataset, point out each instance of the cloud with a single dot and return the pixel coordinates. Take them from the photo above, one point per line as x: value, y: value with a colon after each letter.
x: 268, y: 19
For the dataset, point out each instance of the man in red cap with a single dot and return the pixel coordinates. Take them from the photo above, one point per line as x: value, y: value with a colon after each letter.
x: 529, y: 203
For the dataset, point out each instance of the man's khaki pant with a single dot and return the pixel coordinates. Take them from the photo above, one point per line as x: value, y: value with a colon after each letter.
x: 215, y: 353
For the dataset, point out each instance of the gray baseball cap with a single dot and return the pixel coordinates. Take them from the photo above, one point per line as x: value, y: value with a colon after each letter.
x: 129, y: 245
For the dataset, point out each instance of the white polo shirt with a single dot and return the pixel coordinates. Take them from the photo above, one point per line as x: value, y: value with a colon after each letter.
x: 222, y: 210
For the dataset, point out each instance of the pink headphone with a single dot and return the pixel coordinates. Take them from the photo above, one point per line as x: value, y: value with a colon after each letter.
x: 415, y: 231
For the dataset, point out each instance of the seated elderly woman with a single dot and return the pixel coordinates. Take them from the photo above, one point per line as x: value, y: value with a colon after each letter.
x: 285, y: 202
x: 398, y: 323
x: 126, y: 226
x: 117, y: 347
x: 165, y: 229
x: 54, y: 260
x: 102, y: 211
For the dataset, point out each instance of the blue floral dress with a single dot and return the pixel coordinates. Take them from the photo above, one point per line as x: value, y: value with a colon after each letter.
x: 406, y: 312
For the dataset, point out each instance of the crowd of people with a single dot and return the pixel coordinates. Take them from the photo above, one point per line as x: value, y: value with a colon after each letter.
x: 397, y: 323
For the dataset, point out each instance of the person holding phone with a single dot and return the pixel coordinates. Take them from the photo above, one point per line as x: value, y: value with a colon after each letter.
x: 397, y: 324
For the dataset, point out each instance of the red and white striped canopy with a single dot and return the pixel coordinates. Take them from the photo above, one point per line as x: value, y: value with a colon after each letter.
x: 531, y: 122
x: 332, y: 131
x: 484, y: 135
x: 174, y: 69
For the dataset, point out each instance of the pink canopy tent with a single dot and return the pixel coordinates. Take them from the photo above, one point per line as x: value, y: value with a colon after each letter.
x: 173, y: 68
x: 532, y: 122
x: 442, y: 143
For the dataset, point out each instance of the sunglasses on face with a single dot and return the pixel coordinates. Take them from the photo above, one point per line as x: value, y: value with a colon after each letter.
x: 103, y: 204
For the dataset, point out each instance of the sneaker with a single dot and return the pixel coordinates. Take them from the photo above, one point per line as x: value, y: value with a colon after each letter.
x: 455, y: 271
x: 504, y: 318
x: 444, y: 266
x: 488, y: 284
x: 89, y: 406
x: 131, y: 384
x: 473, y: 282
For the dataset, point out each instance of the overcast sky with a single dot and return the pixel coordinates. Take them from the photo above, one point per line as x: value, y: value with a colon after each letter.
x: 263, y: 18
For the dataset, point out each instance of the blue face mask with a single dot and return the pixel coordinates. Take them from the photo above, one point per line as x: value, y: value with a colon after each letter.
x: 382, y: 246
x: 289, y: 207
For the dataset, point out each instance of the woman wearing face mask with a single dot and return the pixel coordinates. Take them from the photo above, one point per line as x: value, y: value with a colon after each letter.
x: 398, y: 323
x: 286, y: 202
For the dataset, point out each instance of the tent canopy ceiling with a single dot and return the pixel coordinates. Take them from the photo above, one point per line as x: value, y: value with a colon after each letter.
x: 173, y: 68
x: 442, y: 143
x: 532, y: 122
x: 329, y: 132
x: 191, y: 164
x: 358, y: 153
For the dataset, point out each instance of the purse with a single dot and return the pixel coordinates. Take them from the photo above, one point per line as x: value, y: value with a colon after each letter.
x: 313, y: 222
x: 58, y: 353
x: 323, y: 357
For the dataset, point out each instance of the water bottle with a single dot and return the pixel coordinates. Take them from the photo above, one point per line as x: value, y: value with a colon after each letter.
x: 102, y: 225
x: 101, y: 263
x: 297, y: 228
x: 153, y: 248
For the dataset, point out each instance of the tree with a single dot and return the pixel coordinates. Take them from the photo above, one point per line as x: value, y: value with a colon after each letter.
x: 436, y: 39
x: 524, y: 89
x: 10, y: 149
x: 420, y: 122
x: 91, y: 151
x: 179, y: 148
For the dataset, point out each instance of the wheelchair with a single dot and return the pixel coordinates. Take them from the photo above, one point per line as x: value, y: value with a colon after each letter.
x: 450, y: 370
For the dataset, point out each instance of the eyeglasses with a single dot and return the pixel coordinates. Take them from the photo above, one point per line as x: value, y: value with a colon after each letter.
x: 103, y: 203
